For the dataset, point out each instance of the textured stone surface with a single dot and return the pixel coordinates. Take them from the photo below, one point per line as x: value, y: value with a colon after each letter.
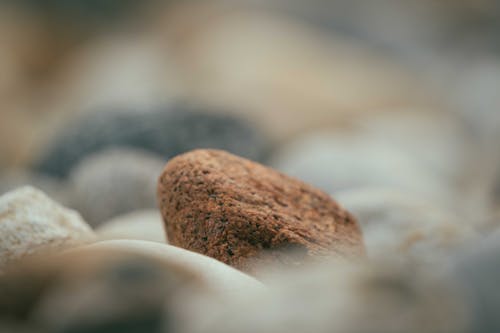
x: 31, y: 222
x: 115, y: 182
x: 245, y: 214
x: 141, y: 225
x: 167, y: 132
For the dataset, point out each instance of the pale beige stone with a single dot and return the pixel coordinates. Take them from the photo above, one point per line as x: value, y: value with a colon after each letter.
x: 219, y: 276
x: 31, y: 222
x: 139, y: 225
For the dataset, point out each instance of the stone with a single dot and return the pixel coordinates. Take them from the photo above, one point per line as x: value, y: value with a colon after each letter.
x: 114, y: 182
x: 247, y: 215
x: 334, y: 162
x: 477, y: 271
x: 95, y: 289
x: 342, y: 297
x: 84, y: 14
x: 403, y: 226
x: 140, y: 225
x: 119, y: 70
x: 224, y: 280
x: 167, y: 132
x: 325, y: 79
x: 341, y: 160
x: 31, y: 222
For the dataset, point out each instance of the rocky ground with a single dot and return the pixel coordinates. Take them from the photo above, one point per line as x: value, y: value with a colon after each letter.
x: 244, y: 166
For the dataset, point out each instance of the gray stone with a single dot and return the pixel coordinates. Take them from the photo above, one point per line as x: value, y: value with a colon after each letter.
x: 424, y: 154
x: 375, y: 297
x: 335, y: 162
x: 167, y: 132
x: 115, y: 182
x: 478, y: 271
x: 404, y: 226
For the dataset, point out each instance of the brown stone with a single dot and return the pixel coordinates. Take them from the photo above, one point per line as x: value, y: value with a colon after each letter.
x: 243, y: 213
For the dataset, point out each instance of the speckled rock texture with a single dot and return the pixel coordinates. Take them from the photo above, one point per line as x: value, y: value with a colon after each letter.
x: 115, y: 182
x: 246, y: 215
x: 31, y: 222
x: 168, y: 132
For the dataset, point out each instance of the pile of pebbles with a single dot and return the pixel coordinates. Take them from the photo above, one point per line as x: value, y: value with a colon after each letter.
x: 228, y: 167
x: 233, y: 242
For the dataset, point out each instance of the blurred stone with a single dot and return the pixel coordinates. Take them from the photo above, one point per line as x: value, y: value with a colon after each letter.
x: 31, y: 222
x: 166, y: 132
x: 114, y: 182
x: 29, y: 42
x: 84, y: 13
x: 140, y: 225
x: 286, y: 75
x: 116, y: 70
x: 436, y: 140
x: 404, y: 226
x: 478, y: 272
x: 419, y: 154
x: 11, y: 180
x: 376, y: 297
x: 335, y: 162
x: 221, y: 278
x: 96, y: 289
x: 472, y: 89
x: 29, y: 55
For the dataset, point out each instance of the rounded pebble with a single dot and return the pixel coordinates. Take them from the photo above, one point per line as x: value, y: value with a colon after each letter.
x: 335, y: 297
x: 139, y: 225
x: 114, y: 182
x: 397, y: 224
x: 167, y: 132
x: 246, y: 215
x: 478, y: 272
x: 31, y: 222
x: 224, y: 279
x: 96, y: 289
x: 337, y: 161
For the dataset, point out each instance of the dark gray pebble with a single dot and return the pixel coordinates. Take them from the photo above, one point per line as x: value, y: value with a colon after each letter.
x: 165, y: 132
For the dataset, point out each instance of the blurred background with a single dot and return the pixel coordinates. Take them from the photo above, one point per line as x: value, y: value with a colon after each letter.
x: 356, y: 97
